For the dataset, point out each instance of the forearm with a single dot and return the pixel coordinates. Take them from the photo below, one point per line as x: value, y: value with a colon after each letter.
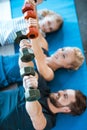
x: 34, y: 110
x: 40, y: 59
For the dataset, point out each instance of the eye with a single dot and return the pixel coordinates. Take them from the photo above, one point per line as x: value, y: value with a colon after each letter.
x: 63, y: 56
x: 62, y: 49
x: 49, y: 22
x: 58, y: 96
x: 50, y: 29
x: 56, y: 56
x: 65, y: 96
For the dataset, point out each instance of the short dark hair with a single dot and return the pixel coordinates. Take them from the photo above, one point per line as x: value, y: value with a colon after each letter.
x: 79, y: 106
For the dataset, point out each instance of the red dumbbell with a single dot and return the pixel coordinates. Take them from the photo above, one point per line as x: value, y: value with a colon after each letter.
x: 27, y: 7
x: 32, y: 32
x: 29, y: 11
x: 30, y: 14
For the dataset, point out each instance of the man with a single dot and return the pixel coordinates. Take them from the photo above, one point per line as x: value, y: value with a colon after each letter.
x: 18, y: 114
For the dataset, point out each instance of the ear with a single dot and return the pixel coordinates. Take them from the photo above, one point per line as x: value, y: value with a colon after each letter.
x: 68, y: 66
x: 65, y: 109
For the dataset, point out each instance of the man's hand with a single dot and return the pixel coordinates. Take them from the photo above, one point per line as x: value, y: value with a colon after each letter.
x: 30, y: 81
x: 34, y: 108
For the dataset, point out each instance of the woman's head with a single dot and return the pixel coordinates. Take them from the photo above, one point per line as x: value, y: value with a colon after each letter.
x: 50, y: 22
x: 68, y: 57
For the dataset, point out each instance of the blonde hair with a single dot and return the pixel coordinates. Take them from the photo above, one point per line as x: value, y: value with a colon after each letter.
x: 79, y: 59
x: 57, y: 17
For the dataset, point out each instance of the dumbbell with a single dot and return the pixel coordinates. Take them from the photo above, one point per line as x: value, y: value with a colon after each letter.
x: 27, y: 6
x: 31, y: 94
x: 20, y: 36
x: 29, y: 11
x: 26, y: 54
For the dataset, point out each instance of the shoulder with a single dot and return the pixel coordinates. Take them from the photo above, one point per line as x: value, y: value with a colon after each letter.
x: 50, y: 117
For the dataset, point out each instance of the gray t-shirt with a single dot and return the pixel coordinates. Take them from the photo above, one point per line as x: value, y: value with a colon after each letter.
x: 9, y: 29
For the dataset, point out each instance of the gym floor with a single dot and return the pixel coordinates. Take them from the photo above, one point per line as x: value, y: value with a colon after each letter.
x: 81, y: 8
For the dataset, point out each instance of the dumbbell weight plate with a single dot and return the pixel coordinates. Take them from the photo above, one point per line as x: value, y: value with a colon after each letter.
x: 27, y: 7
x: 27, y: 71
x: 32, y: 94
x: 26, y: 55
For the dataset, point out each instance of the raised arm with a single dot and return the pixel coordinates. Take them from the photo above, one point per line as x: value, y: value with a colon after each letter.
x: 37, y: 40
x: 40, y: 57
x: 34, y: 109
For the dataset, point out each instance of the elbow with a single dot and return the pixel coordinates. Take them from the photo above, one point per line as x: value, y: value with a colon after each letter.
x: 46, y: 72
x: 48, y: 76
x: 41, y: 124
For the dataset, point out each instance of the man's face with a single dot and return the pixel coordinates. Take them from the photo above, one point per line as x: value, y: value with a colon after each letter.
x: 64, y: 57
x: 62, y: 98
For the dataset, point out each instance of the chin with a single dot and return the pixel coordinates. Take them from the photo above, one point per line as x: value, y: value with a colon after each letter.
x: 53, y: 100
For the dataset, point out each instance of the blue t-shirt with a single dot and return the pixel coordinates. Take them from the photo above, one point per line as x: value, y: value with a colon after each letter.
x: 10, y: 71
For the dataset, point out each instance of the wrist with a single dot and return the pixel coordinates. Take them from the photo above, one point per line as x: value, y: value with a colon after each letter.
x: 33, y: 108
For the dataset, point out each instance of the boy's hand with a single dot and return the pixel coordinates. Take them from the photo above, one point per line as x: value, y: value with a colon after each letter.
x: 32, y: 22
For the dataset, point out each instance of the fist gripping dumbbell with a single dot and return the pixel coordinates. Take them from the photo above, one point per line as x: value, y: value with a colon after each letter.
x: 31, y: 94
x: 29, y: 11
x: 26, y: 69
x: 26, y: 54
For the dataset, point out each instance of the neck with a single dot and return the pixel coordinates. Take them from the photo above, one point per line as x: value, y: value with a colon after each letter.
x: 52, y: 64
x: 52, y: 108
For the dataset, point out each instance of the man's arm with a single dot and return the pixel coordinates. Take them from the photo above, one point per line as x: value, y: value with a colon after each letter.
x: 34, y: 109
x: 30, y: 83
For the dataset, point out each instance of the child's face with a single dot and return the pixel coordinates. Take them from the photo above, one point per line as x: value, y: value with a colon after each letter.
x: 64, y: 57
x: 49, y: 24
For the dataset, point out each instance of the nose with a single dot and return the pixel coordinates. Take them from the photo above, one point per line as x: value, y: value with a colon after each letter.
x: 46, y: 29
x: 59, y: 51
